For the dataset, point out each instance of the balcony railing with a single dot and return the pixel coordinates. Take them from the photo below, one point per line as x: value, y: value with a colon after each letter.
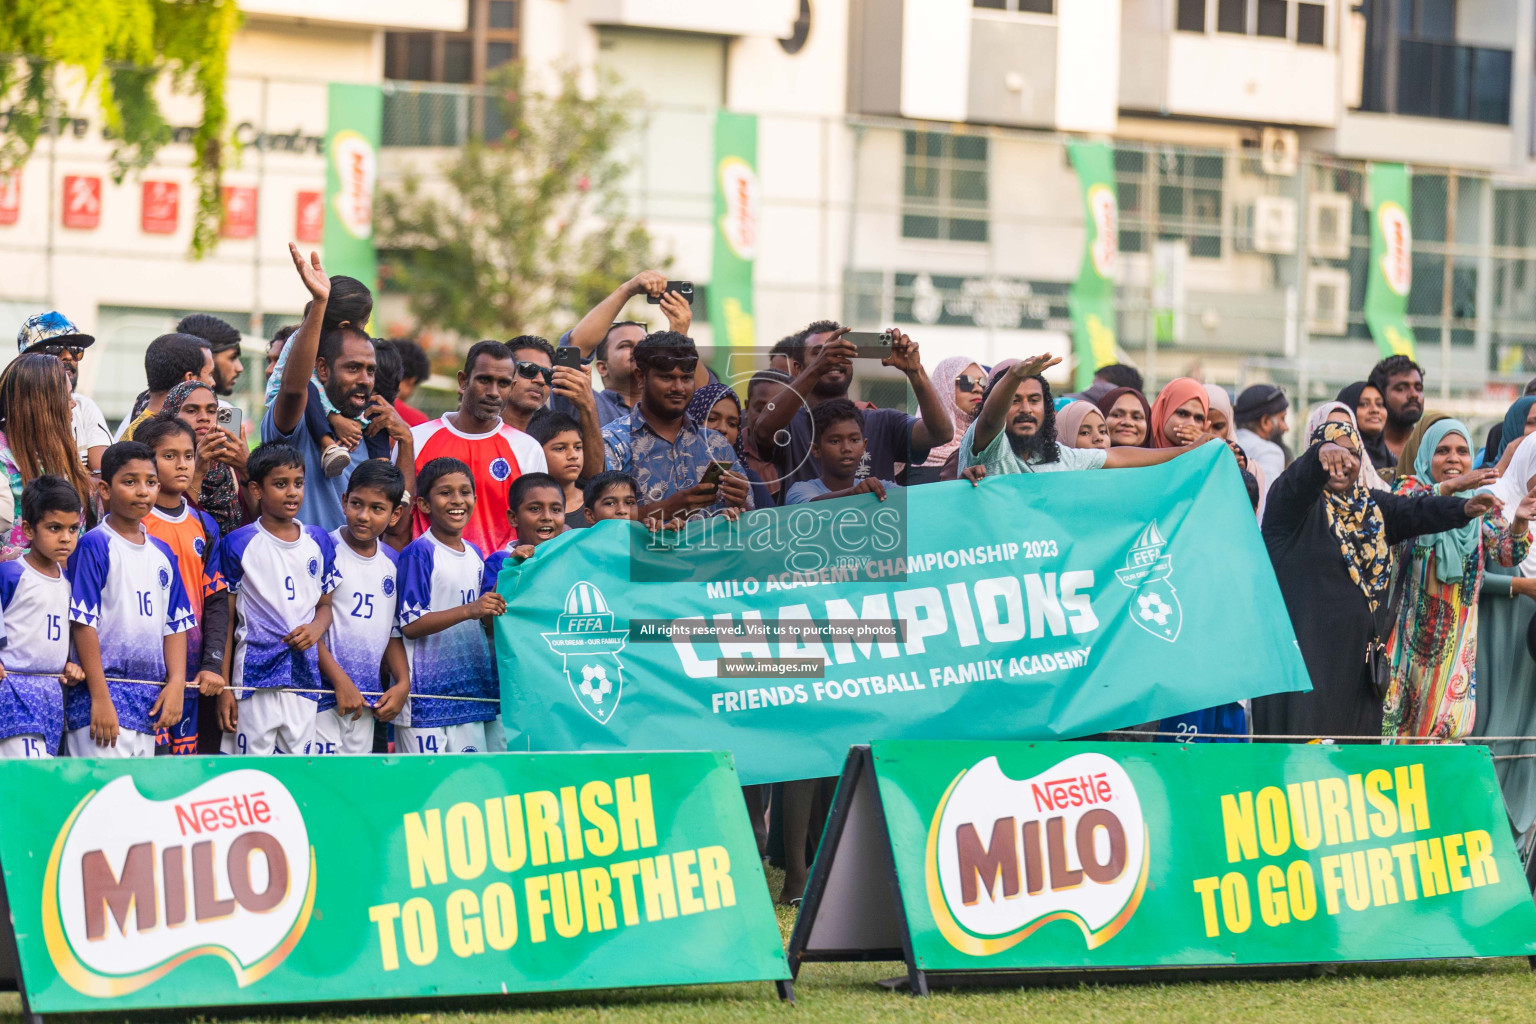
x: 423, y: 114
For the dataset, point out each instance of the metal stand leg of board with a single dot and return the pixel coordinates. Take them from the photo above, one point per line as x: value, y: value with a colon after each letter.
x: 918, y: 982
x: 786, y: 991
x: 1532, y: 961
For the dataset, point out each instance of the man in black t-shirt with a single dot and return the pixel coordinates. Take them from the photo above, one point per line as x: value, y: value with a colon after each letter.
x: 821, y: 368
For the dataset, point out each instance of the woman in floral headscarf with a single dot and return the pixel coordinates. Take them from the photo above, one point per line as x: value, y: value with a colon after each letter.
x: 716, y: 407
x: 958, y: 381
x: 1330, y: 539
x: 1433, y: 649
x: 220, y: 456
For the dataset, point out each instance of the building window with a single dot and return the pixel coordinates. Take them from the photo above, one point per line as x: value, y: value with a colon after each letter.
x: 489, y: 41
x: 1179, y: 195
x: 1020, y: 6
x: 944, y: 187
x: 1300, y: 21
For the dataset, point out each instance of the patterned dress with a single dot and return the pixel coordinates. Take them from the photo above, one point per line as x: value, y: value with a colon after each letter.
x: 1433, y: 649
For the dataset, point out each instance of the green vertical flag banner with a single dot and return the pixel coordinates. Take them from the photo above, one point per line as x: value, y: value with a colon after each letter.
x: 1391, y: 270
x: 1092, y: 298
x: 196, y: 881
x: 354, y: 128
x: 737, y: 195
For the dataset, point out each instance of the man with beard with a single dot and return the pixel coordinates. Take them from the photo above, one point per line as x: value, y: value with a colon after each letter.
x: 53, y: 334
x: 224, y: 341
x: 821, y: 367
x: 1401, y: 383
x: 1260, y: 415
x: 1015, y: 431
x: 667, y: 451
x: 343, y: 362
x: 477, y: 435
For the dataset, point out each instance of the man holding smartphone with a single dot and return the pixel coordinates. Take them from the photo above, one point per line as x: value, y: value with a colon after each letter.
x: 683, y: 467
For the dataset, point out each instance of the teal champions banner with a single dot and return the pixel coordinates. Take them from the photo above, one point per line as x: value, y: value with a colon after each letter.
x: 1030, y: 607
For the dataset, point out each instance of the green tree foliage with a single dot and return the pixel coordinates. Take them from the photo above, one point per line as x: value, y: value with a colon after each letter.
x: 531, y: 229
x: 121, y: 48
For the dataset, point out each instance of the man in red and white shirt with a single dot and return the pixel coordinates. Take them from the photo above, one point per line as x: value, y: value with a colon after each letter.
x: 475, y: 435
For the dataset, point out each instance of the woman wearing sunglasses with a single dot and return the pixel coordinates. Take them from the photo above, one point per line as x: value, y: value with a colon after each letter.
x: 958, y: 381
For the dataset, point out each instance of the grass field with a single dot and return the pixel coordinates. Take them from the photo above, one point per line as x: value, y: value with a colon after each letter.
x: 1445, y: 992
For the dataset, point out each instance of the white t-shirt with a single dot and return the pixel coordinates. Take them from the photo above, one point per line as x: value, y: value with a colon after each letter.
x: 999, y: 456
x: 89, y: 425
x: 362, y: 614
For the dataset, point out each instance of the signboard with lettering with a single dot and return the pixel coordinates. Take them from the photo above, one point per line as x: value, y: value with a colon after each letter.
x: 239, y: 213
x: 1016, y: 856
x: 160, y: 203
x: 212, y: 881
x: 1000, y: 303
x: 10, y: 197
x: 309, y: 217
x: 81, y: 201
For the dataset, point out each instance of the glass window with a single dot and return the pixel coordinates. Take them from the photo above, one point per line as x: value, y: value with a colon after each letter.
x: 1436, y: 20
x: 1191, y: 16
x: 501, y: 14
x: 418, y: 57
x: 1309, y: 24
x: 991, y: 5
x: 1272, y: 18
x: 944, y: 187
x: 497, y: 54
x: 1490, y: 86
x: 1232, y: 16
x: 456, y: 61
x: 1187, y: 192
x: 1038, y: 6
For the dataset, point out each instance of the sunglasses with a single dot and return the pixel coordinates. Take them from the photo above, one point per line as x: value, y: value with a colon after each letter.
x: 74, y: 351
x: 664, y: 365
x: 533, y: 371
x: 965, y: 382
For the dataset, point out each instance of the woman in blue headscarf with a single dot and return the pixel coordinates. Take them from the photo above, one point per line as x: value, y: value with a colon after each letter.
x: 1433, y: 648
x: 1518, y: 421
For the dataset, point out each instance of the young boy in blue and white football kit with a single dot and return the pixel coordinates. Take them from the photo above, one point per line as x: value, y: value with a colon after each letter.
x: 129, y: 615
x: 363, y: 617
x: 34, y: 592
x: 442, y: 599
x: 281, y: 574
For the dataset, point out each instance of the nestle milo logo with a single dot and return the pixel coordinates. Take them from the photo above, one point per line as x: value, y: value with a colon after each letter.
x: 136, y: 887
x: 1006, y: 856
x: 1397, y: 247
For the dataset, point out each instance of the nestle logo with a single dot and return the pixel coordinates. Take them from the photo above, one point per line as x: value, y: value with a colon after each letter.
x: 1057, y: 794
x: 223, y: 812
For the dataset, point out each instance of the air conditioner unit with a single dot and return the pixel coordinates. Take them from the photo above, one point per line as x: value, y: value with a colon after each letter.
x: 1327, y: 300
x: 1328, y: 225
x: 1278, y: 150
x: 1272, y: 226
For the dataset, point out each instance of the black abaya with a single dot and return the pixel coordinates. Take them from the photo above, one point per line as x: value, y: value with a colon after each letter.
x: 1328, y: 610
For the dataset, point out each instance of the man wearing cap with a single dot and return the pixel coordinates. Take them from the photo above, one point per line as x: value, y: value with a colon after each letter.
x: 53, y: 334
x: 224, y: 342
x: 1260, y: 417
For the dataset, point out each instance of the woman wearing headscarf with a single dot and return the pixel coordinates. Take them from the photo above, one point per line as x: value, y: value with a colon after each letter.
x: 1128, y: 417
x: 220, y: 457
x: 1179, y: 414
x: 1519, y: 420
x: 958, y: 381
x: 1370, y: 410
x: 1330, y: 539
x: 1339, y: 412
x: 1411, y: 446
x: 1218, y: 418
x: 1080, y: 425
x: 951, y: 468
x: 1433, y: 647
x: 716, y: 407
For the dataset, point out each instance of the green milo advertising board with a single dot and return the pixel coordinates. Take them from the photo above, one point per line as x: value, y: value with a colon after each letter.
x: 1017, y: 856
x: 204, y: 882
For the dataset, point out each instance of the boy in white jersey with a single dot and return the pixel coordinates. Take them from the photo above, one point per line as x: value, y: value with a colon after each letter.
x: 442, y: 597
x: 363, y: 617
x: 129, y: 615
x: 35, y: 594
x: 281, y: 574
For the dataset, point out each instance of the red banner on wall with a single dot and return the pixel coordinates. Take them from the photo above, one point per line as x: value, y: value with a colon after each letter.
x: 82, y: 201
x: 239, y: 219
x: 10, y: 198
x: 159, y: 207
x: 309, y: 217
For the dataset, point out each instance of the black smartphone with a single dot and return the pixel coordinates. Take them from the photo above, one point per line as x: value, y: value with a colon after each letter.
x: 714, y: 472
x: 683, y: 288
x: 871, y: 344
x: 568, y: 355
